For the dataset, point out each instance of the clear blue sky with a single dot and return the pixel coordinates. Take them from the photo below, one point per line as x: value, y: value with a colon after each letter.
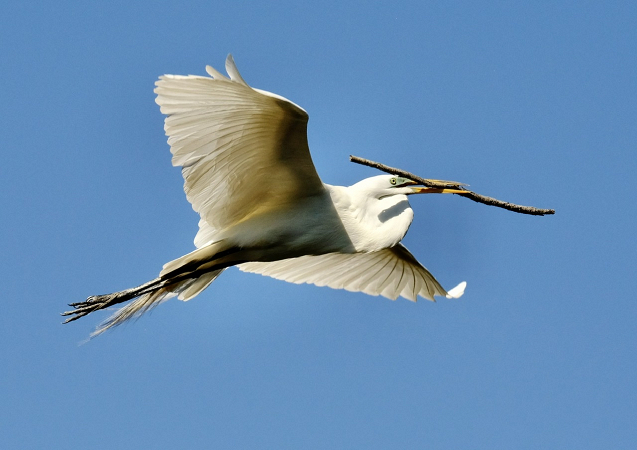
x: 532, y: 104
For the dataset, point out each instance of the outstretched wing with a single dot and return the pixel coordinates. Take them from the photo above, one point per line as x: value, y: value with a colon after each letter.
x: 241, y: 150
x: 391, y: 272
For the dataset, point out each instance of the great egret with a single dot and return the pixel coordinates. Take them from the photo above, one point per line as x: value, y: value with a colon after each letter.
x: 248, y: 173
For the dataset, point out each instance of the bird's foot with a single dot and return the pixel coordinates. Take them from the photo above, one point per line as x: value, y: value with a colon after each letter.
x: 93, y: 303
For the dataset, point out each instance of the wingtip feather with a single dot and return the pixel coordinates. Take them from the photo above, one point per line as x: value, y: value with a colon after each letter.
x: 457, y: 291
x: 215, y: 74
x: 232, y: 70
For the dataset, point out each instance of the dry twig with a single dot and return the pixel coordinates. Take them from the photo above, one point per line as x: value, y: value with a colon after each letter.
x: 451, y: 185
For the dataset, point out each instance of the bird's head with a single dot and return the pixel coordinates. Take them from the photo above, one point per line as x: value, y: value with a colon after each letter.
x: 386, y: 185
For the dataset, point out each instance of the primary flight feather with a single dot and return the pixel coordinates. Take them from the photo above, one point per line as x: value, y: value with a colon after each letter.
x: 248, y: 173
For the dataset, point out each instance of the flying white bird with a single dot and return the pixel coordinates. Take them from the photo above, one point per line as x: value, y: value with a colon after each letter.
x: 248, y: 173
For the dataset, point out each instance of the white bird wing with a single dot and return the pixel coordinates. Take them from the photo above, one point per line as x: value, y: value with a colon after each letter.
x: 391, y: 272
x: 241, y: 150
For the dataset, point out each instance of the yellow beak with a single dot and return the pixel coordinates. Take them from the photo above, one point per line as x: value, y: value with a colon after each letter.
x: 428, y: 190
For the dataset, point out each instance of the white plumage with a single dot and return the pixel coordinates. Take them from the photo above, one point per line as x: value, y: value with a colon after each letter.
x: 248, y: 173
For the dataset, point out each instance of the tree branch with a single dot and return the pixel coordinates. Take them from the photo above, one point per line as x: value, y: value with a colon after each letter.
x: 452, y: 185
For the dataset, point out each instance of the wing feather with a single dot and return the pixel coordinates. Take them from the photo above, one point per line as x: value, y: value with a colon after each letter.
x: 241, y: 149
x: 391, y: 272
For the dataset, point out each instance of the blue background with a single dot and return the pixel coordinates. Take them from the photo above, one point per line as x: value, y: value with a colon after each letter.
x: 533, y: 104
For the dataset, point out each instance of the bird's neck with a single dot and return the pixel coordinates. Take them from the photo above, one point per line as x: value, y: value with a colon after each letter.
x: 372, y: 224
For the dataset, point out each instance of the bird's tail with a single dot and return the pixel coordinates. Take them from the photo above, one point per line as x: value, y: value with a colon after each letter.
x: 184, y: 277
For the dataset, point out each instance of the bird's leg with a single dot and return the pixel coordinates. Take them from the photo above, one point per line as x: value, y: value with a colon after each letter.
x: 191, y: 266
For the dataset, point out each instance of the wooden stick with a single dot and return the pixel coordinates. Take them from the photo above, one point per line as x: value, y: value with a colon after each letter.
x: 450, y: 185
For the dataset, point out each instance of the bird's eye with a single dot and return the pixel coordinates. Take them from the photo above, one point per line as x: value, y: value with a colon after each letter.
x: 392, y: 181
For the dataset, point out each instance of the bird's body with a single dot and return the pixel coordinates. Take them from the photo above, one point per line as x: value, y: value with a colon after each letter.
x: 248, y: 173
